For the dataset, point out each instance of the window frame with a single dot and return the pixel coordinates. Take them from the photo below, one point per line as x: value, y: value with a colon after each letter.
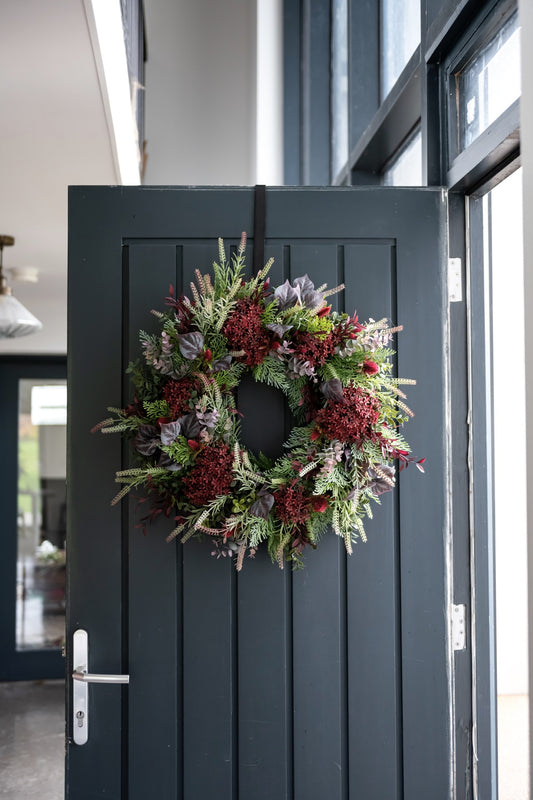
x: 451, y: 31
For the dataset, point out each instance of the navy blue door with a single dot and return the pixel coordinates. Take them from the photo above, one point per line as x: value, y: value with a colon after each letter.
x: 325, y: 684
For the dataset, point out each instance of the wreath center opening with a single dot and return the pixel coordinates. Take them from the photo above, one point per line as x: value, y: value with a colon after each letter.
x: 265, y: 417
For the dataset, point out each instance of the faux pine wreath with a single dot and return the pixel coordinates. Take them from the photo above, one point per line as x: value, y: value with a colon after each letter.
x: 336, y: 374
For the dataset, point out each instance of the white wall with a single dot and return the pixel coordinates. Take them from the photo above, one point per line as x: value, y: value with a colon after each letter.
x: 200, y: 92
x: 526, y: 19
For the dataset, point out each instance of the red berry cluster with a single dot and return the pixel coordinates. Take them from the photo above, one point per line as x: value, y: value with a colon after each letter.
x: 211, y: 475
x: 351, y: 420
x: 177, y: 394
x: 292, y: 504
x: 313, y: 347
x: 244, y: 330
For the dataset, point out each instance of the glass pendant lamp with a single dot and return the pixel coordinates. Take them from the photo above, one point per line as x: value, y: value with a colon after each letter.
x: 15, y: 319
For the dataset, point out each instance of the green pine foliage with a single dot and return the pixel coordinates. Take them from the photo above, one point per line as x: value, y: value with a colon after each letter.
x: 272, y: 372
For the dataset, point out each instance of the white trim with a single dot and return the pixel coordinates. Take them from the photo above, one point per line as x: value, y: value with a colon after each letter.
x: 269, y: 92
x: 104, y: 20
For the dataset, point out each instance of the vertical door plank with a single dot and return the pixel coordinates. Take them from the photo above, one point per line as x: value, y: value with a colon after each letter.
x: 94, y: 564
x: 319, y: 620
x: 374, y: 664
x: 209, y: 640
x: 422, y: 307
x: 209, y: 643
x: 264, y: 617
x: 155, y: 594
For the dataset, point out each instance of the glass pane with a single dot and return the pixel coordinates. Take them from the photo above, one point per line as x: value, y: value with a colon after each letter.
x: 489, y: 83
x: 339, y: 96
x: 400, y: 36
x: 406, y: 168
x: 503, y: 238
x: 41, y: 514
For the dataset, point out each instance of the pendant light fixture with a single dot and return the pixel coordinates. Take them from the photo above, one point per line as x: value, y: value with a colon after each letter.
x: 15, y: 319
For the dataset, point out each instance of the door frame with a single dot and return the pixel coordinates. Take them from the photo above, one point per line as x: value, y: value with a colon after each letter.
x: 24, y: 664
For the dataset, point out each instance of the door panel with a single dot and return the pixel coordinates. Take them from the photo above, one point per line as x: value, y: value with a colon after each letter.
x: 330, y: 682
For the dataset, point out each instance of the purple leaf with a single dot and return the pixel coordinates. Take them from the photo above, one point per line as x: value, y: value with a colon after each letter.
x: 261, y: 507
x: 166, y: 461
x: 279, y: 330
x: 221, y: 363
x: 191, y: 344
x: 147, y: 440
x: 170, y: 432
x: 208, y: 418
x: 286, y: 296
x: 332, y: 390
x: 377, y: 484
x: 190, y: 427
x: 309, y: 296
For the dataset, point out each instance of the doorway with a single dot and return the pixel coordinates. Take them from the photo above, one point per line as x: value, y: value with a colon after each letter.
x: 500, y: 549
x: 33, y: 502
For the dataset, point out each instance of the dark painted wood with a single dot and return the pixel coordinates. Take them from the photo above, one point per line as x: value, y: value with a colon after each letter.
x: 18, y: 664
x: 319, y: 623
x: 210, y: 675
x: 264, y: 609
x: 330, y: 682
x: 154, y: 574
x: 421, y: 305
x: 94, y: 531
x: 460, y: 499
x: 373, y: 580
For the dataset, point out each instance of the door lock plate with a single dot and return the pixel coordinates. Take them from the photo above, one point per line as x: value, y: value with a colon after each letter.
x: 80, y: 685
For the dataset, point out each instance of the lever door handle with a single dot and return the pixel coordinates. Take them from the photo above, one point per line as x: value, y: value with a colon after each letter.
x: 80, y: 689
x: 93, y: 677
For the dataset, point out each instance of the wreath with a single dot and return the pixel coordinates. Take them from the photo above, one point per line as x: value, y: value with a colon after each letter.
x: 183, y: 423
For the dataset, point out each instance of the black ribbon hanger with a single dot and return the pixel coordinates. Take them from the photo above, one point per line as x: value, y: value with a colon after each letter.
x: 259, y: 227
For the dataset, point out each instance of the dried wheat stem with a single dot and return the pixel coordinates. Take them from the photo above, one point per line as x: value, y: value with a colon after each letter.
x: 240, y: 557
x: 348, y: 542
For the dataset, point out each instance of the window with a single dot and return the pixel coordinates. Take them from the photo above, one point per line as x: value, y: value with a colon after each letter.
x: 405, y: 168
x: 400, y: 36
x: 339, y: 85
x: 489, y: 83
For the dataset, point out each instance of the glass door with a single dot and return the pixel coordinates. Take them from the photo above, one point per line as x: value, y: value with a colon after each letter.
x: 33, y: 522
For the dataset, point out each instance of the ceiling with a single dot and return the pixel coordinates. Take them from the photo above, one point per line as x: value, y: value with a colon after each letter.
x: 53, y: 133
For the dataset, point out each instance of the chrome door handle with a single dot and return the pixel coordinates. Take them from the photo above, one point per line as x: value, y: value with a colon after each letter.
x: 88, y: 677
x: 80, y: 689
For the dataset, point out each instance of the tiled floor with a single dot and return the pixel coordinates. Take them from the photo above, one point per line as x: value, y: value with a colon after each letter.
x: 32, y: 740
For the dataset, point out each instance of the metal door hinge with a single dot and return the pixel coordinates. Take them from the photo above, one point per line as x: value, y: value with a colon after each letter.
x: 459, y: 627
x: 455, y: 280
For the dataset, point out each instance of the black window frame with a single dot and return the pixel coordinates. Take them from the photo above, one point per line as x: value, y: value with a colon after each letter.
x: 379, y: 128
x: 451, y: 32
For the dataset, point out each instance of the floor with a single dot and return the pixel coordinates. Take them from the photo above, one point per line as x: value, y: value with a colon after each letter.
x: 32, y: 742
x: 513, y: 746
x: 32, y: 732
